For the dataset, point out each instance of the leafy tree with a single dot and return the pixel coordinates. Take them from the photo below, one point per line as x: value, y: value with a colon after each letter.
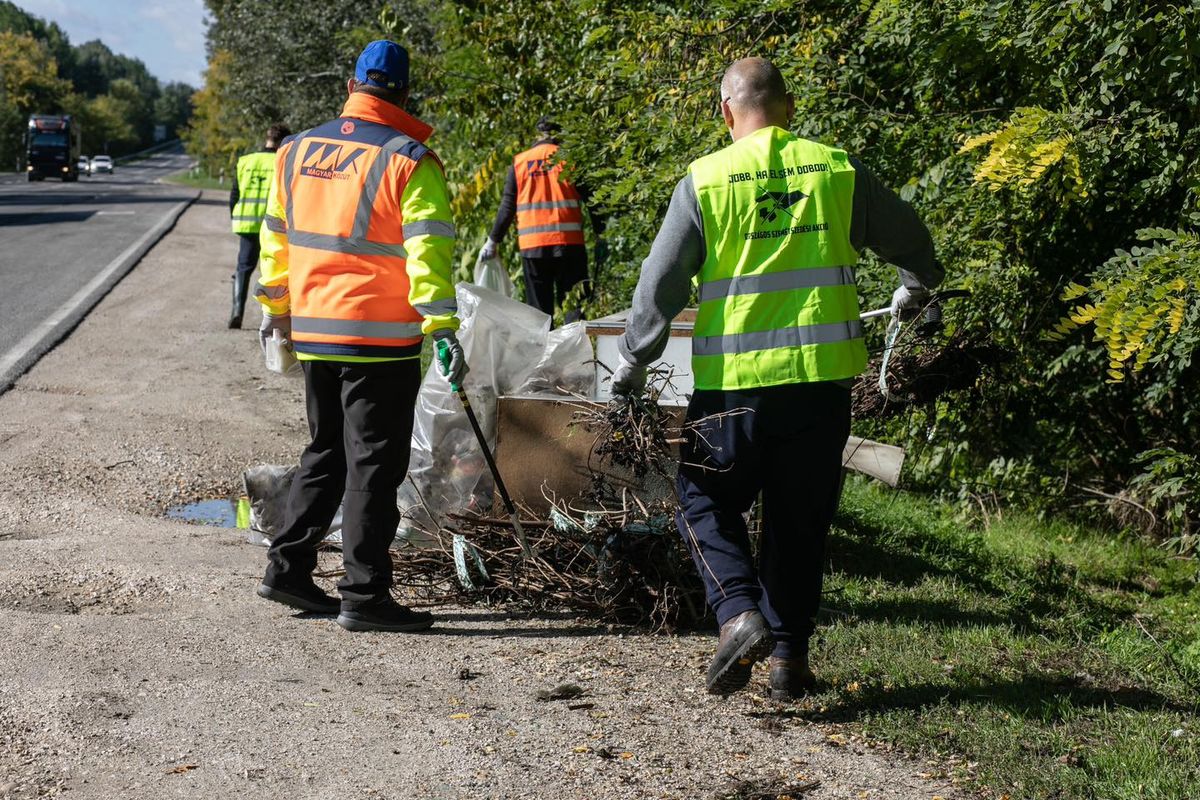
x: 174, y: 107
x: 28, y: 84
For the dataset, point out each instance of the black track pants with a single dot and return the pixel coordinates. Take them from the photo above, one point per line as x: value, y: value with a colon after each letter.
x: 361, y: 418
x: 788, y: 448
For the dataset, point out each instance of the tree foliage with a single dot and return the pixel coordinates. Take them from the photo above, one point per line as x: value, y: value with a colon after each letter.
x: 1041, y: 140
x: 117, y: 100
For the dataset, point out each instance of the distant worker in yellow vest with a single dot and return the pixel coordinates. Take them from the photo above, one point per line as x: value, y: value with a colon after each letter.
x: 357, y: 248
x: 770, y: 229
x: 548, y: 208
x: 247, y: 205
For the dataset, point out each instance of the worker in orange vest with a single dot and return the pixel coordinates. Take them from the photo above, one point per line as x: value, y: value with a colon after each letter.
x: 355, y: 270
x: 548, y: 209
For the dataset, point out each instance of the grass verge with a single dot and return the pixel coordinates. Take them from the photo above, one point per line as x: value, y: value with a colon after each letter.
x: 197, y: 181
x: 1037, y: 659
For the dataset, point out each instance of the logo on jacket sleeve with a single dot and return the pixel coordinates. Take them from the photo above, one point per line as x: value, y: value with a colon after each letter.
x: 330, y: 161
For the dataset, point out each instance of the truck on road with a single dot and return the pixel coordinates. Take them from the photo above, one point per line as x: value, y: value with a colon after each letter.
x: 53, y: 145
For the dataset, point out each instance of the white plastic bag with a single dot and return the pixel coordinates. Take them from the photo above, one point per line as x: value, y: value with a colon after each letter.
x: 490, y: 274
x: 279, y: 356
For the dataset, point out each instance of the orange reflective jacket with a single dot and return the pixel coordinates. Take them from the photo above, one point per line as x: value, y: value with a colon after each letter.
x: 548, y: 209
x: 341, y: 186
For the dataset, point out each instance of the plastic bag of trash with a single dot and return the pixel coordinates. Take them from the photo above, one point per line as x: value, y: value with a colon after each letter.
x: 279, y: 358
x: 566, y: 364
x: 504, y: 341
x: 490, y: 274
x: 267, y: 487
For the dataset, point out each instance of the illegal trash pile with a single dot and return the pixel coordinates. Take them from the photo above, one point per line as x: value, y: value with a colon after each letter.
x: 613, y: 555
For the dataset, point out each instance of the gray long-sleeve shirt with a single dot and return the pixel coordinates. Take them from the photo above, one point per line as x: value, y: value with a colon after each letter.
x: 880, y: 221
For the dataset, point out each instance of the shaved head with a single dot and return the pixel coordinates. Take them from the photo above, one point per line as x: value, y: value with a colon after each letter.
x: 754, y: 85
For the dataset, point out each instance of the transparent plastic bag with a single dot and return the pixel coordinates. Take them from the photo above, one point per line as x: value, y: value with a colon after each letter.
x: 504, y: 341
x: 490, y: 274
x: 279, y: 357
x: 566, y: 364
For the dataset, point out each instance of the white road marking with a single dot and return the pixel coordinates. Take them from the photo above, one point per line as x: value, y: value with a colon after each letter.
x: 47, y: 326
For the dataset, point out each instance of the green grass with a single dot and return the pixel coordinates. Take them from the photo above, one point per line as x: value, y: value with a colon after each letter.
x: 1025, y: 649
x: 197, y: 181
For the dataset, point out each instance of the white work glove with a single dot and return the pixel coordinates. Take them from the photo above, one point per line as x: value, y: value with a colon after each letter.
x: 270, y: 324
x: 454, y: 367
x: 488, y: 251
x: 907, y: 300
x: 629, y: 379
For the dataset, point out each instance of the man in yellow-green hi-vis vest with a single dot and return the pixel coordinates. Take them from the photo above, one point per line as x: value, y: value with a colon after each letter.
x: 247, y: 205
x: 769, y: 229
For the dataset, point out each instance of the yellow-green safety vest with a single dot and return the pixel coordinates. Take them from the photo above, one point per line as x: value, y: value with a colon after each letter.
x: 778, y: 303
x: 254, y: 172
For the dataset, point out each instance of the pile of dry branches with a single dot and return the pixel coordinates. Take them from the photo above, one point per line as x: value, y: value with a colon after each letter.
x: 614, y: 555
x: 920, y: 372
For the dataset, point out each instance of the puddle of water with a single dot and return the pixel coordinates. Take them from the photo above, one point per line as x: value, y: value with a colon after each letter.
x: 217, y: 513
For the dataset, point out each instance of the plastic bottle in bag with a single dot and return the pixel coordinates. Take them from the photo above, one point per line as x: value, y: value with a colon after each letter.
x: 279, y: 356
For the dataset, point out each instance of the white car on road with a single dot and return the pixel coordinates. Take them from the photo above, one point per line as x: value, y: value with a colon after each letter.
x: 101, y: 164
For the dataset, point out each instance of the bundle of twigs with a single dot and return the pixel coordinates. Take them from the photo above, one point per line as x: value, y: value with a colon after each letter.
x: 614, y: 555
x: 920, y: 372
x: 599, y: 563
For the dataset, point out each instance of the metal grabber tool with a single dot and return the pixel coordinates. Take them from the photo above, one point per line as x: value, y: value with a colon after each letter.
x: 443, y: 356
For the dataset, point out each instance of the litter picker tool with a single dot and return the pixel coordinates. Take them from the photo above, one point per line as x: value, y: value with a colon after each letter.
x: 930, y: 325
x: 443, y: 356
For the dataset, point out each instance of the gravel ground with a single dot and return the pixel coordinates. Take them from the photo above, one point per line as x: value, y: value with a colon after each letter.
x: 139, y: 664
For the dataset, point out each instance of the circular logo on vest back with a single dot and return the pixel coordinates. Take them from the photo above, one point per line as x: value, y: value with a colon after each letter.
x: 347, y: 127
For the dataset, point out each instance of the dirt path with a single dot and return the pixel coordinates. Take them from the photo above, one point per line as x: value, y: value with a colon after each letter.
x: 139, y: 664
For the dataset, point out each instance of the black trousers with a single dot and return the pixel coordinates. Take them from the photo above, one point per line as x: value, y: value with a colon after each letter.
x: 361, y: 419
x: 548, y: 278
x: 788, y: 448
x: 247, y: 261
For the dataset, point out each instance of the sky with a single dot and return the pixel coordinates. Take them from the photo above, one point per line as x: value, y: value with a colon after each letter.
x: 167, y: 35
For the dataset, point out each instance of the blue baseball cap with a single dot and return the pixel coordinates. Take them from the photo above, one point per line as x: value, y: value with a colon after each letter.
x: 386, y: 57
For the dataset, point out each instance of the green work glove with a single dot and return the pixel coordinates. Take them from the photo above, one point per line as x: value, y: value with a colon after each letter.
x: 451, y: 360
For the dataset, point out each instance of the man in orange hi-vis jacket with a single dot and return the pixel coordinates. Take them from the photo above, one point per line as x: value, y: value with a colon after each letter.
x: 355, y: 271
x: 548, y: 209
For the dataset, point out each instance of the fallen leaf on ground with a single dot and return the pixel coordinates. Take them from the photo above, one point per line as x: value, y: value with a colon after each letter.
x: 460, y: 716
x: 182, y: 768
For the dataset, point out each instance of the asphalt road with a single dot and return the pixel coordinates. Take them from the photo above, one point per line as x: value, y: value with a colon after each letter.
x: 58, y: 239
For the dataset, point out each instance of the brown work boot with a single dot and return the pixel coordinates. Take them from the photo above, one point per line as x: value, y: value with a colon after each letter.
x: 745, y: 639
x: 791, y: 678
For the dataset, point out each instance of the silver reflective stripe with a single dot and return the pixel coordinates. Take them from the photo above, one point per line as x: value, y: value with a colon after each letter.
x: 547, y: 205
x: 275, y: 224
x: 270, y: 292
x: 777, y: 282
x: 364, y: 329
x: 371, y: 184
x: 437, y: 307
x: 344, y: 244
x: 289, y: 175
x: 247, y: 217
x: 558, y: 226
x: 428, y: 227
x: 825, y: 333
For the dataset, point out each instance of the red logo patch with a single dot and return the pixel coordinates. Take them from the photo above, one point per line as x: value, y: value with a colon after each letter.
x: 347, y: 127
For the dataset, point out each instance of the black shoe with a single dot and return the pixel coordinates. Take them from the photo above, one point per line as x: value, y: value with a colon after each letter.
x: 304, y: 597
x: 745, y: 639
x: 235, y: 320
x: 791, y: 678
x: 384, y: 614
